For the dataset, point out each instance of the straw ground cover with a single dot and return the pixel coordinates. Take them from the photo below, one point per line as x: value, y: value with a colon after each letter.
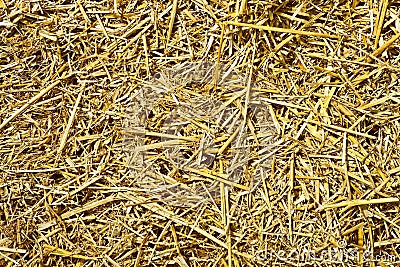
x: 325, y: 72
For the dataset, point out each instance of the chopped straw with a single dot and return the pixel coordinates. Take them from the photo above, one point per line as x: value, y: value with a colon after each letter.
x: 296, y: 151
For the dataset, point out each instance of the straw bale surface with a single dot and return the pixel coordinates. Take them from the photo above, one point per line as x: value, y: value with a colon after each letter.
x: 315, y: 111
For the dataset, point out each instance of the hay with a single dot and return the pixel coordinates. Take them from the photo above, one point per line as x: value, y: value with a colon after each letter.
x: 308, y: 91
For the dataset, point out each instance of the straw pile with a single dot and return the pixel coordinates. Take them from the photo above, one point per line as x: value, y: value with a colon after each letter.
x: 324, y: 74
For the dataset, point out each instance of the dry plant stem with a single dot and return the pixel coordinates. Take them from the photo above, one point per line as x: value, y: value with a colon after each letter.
x: 28, y: 104
x: 69, y: 124
x: 275, y: 29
